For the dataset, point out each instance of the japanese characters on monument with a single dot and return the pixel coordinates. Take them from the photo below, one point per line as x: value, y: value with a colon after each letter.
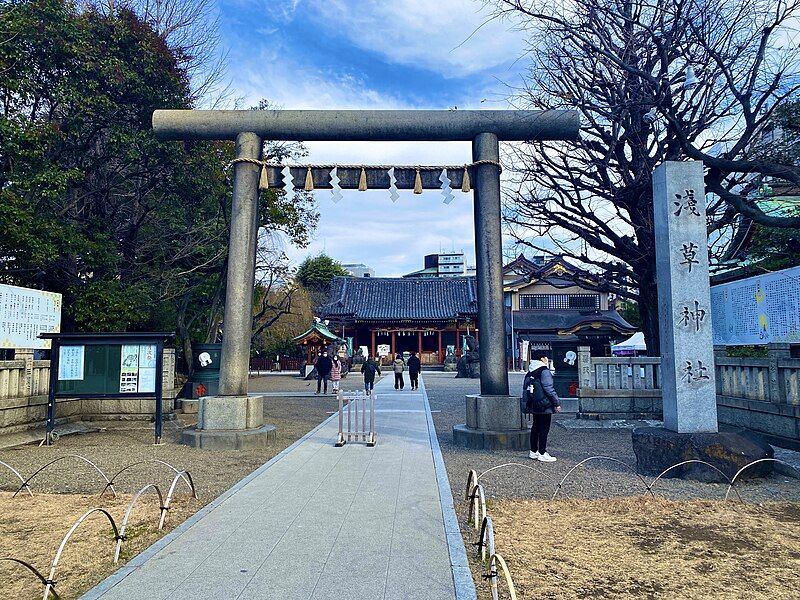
x: 684, y: 298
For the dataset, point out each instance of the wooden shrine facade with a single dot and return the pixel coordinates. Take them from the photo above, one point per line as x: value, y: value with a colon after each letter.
x: 396, y: 315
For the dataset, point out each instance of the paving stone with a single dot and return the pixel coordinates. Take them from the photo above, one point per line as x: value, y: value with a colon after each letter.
x: 320, y: 522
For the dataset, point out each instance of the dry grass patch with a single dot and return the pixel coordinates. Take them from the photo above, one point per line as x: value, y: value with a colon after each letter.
x: 648, y: 548
x: 31, y: 529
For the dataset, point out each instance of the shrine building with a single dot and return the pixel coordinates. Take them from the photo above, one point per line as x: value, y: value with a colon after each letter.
x: 395, y: 315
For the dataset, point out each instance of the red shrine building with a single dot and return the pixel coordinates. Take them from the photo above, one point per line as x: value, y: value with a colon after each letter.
x: 550, y: 305
x: 394, y: 315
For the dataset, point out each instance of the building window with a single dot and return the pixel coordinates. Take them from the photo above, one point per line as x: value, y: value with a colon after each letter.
x: 559, y: 301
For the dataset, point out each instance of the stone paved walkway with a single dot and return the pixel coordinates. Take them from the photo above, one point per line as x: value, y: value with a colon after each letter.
x: 321, y: 522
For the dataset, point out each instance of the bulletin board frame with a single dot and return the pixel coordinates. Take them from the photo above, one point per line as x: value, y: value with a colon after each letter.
x: 99, y: 379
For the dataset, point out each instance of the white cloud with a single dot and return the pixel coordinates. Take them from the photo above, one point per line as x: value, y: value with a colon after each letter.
x: 426, y: 33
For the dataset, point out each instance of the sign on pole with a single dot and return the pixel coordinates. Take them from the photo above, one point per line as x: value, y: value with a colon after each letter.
x: 25, y: 313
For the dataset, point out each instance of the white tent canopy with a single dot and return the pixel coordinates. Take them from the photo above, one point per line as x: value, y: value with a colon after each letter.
x: 635, y: 343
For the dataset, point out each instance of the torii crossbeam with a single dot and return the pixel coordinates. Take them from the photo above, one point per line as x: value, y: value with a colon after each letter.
x: 249, y: 128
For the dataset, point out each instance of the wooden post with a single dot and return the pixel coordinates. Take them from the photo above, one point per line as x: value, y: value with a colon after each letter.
x: 441, y: 358
x: 458, y: 342
x: 419, y: 337
x: 394, y: 344
x: 373, y: 343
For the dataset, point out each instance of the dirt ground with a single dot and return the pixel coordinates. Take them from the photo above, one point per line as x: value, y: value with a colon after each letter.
x: 32, y: 529
x: 626, y: 548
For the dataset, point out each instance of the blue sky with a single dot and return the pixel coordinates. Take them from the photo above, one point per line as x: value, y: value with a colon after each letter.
x: 400, y: 54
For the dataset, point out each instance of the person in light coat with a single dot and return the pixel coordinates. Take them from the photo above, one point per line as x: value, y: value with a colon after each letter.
x: 336, y: 373
x: 398, y: 366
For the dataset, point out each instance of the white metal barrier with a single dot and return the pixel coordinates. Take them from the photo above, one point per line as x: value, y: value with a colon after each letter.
x: 358, y: 403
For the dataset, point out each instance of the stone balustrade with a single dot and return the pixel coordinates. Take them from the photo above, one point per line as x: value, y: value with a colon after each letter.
x: 761, y: 394
x: 25, y: 383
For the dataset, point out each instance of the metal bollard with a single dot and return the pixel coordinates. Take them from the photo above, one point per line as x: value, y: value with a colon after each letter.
x: 356, y: 424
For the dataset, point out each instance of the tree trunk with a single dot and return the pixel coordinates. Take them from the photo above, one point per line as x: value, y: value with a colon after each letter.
x: 648, y: 310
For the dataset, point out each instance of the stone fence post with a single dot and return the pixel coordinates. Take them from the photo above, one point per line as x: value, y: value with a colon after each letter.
x: 584, y: 367
x: 168, y: 373
x: 776, y: 352
x: 26, y: 385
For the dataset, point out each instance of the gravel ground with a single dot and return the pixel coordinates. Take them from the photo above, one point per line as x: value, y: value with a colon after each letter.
x: 595, y: 479
x: 291, y: 383
x: 121, y: 444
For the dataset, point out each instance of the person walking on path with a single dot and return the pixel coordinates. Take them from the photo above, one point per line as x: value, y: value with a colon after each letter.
x: 323, y: 365
x: 336, y: 373
x: 414, y: 367
x: 542, y: 402
x: 369, y: 368
x: 398, y: 366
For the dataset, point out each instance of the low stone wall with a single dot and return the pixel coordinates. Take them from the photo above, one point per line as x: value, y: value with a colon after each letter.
x: 619, y: 404
x: 779, y: 424
x: 20, y: 411
x: 20, y: 414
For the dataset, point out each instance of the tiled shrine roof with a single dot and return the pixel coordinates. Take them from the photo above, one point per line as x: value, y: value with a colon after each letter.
x: 399, y: 299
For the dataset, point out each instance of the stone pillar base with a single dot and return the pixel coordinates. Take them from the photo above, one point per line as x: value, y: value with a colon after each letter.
x: 657, y: 449
x: 493, y: 423
x: 229, y: 423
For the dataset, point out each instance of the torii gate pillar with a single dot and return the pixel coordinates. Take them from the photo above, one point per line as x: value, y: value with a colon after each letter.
x: 235, y: 420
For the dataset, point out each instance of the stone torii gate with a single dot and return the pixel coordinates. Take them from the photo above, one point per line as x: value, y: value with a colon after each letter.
x: 234, y: 420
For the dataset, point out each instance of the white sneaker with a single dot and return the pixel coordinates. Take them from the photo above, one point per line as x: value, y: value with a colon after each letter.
x: 533, y: 455
x: 546, y: 458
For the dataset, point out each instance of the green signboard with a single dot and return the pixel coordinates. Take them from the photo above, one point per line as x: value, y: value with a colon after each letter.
x: 106, y: 369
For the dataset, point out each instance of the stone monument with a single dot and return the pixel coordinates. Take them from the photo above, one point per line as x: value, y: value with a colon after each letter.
x: 687, y: 354
x: 469, y: 365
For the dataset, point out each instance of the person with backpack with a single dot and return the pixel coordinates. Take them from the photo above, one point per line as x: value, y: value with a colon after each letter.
x: 323, y: 365
x: 541, y: 402
x: 336, y: 373
x: 369, y: 368
x: 398, y: 366
x: 414, y: 367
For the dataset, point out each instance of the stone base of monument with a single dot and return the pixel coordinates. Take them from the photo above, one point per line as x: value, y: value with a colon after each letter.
x: 493, y: 423
x: 229, y: 423
x: 657, y: 449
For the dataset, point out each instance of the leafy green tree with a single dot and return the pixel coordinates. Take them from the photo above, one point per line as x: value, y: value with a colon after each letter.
x: 316, y: 274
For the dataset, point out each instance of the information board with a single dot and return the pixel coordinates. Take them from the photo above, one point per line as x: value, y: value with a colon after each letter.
x: 25, y: 313
x: 757, y: 310
x: 107, y: 369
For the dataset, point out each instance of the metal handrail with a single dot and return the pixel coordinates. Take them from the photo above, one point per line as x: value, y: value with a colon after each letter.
x: 686, y: 462
x: 121, y: 536
x: 24, y: 483
x: 166, y: 505
x: 36, y: 572
x: 477, y: 501
x: 747, y: 466
x: 141, y: 462
x: 60, y: 458
x: 616, y: 460
x: 492, y: 573
x: 72, y: 529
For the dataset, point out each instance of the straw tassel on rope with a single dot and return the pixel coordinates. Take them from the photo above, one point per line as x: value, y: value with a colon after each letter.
x: 263, y: 180
x: 465, y: 182
x: 362, y: 181
x: 418, y: 183
x: 309, y: 187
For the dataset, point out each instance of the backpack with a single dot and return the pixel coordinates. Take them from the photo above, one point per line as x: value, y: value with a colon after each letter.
x: 537, y: 401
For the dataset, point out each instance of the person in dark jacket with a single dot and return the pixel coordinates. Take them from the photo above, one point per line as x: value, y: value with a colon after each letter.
x: 542, y: 402
x: 414, y: 367
x: 324, y: 365
x: 369, y: 368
